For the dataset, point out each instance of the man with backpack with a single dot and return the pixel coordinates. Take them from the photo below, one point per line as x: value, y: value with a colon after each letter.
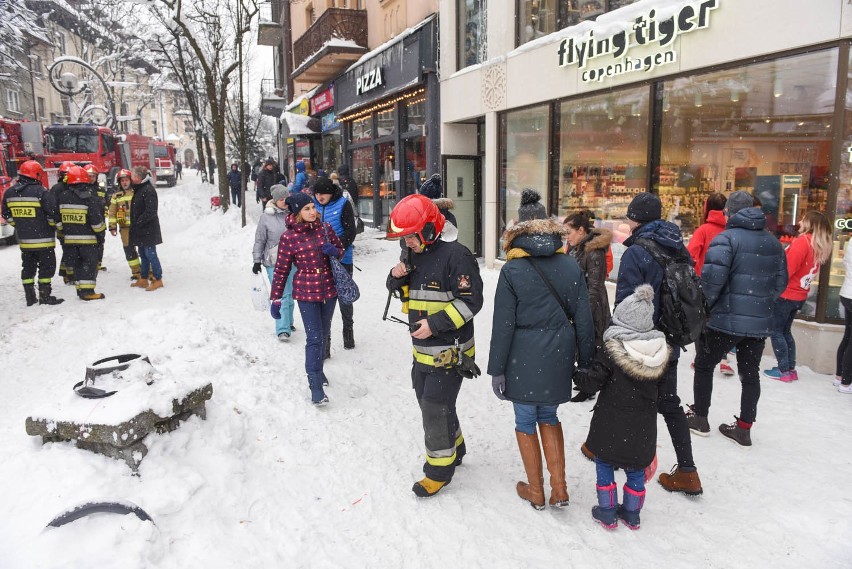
x: 650, y: 237
x: 745, y: 271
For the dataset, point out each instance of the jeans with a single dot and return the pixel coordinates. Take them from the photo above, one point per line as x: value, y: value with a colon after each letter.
x: 783, y: 343
x: 149, y: 261
x: 668, y: 405
x: 713, y: 347
x: 527, y: 416
x: 316, y: 316
x: 844, y: 350
x: 437, y: 391
x: 285, y: 323
x: 346, y: 310
x: 235, y: 196
x: 606, y: 476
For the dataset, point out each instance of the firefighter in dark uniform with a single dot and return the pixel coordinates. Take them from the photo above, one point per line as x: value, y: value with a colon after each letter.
x: 30, y: 209
x: 441, y: 292
x: 82, y: 214
x: 118, y: 218
x: 66, y: 272
x: 99, y: 191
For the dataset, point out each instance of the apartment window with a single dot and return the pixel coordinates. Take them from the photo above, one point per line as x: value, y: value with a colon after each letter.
x: 13, y: 101
x: 310, y: 15
x: 473, y: 33
x: 537, y: 18
x: 66, y: 105
x: 41, y: 113
x: 61, y: 38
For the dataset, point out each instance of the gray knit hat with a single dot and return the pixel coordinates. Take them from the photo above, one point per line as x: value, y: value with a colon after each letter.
x: 633, y: 318
x: 531, y: 206
x: 737, y: 201
x: 278, y: 191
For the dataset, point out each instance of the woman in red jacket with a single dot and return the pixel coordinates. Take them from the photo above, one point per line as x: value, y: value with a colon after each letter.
x: 805, y: 254
x: 307, y: 244
x: 713, y: 223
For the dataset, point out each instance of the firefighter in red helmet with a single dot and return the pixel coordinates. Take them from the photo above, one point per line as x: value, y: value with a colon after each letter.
x: 100, y: 192
x: 441, y: 291
x: 118, y: 218
x: 29, y: 207
x: 66, y: 272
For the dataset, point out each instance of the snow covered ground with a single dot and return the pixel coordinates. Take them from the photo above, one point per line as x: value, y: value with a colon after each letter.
x: 269, y: 481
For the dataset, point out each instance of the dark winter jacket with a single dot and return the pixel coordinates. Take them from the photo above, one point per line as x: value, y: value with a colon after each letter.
x: 144, y: 219
x: 444, y: 288
x: 255, y: 170
x: 339, y: 214
x: 301, y: 246
x: 532, y: 342
x: 265, y: 180
x: 235, y: 179
x: 56, y: 190
x: 82, y: 214
x: 745, y: 271
x: 638, y: 266
x: 623, y: 431
x: 347, y: 183
x: 590, y: 254
x: 30, y: 209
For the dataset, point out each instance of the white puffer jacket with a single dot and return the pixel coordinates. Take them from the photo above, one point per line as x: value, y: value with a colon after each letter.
x: 846, y: 289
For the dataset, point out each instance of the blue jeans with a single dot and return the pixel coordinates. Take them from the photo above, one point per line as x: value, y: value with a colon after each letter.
x: 149, y: 261
x: 783, y: 343
x: 526, y: 416
x: 316, y: 316
x: 606, y: 476
x: 285, y: 323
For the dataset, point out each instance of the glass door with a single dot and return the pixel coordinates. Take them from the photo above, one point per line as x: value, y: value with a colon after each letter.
x: 462, y: 185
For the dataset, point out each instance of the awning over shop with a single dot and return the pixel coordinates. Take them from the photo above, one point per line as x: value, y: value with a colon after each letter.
x: 300, y: 124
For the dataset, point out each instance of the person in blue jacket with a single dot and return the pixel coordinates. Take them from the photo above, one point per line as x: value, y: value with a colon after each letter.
x: 300, y: 182
x: 337, y: 211
x: 235, y: 181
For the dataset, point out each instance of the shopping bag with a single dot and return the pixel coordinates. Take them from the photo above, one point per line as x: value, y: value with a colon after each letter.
x: 260, y: 293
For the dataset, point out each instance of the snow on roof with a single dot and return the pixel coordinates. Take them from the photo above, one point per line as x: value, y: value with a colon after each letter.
x: 333, y: 42
x: 298, y: 100
x: 371, y: 54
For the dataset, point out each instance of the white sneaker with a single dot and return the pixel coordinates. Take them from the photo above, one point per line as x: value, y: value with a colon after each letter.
x: 837, y: 381
x: 844, y: 388
x: 283, y: 337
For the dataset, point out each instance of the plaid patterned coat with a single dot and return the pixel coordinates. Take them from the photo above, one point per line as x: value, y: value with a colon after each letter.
x: 301, y: 246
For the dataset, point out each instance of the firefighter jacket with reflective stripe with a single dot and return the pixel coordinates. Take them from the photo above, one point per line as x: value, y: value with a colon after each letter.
x: 30, y: 209
x: 82, y: 214
x: 119, y: 208
x: 445, y: 288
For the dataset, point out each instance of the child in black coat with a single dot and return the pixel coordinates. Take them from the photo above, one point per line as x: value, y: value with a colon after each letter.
x: 623, y: 432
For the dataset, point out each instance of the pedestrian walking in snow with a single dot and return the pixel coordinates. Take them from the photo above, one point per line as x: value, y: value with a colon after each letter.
x: 337, y: 211
x: 271, y: 225
x: 442, y: 291
x: 623, y: 431
x: 265, y: 180
x: 300, y: 182
x: 307, y: 245
x: 145, y: 229
x: 30, y: 209
x: 235, y: 182
x: 118, y: 218
x: 744, y: 273
x: 542, y: 327
x: 843, y: 370
x: 805, y: 255
x: 179, y: 170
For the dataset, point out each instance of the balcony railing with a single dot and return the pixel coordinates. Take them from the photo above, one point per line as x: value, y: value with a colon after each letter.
x: 333, y: 24
x: 269, y: 31
x: 272, y: 101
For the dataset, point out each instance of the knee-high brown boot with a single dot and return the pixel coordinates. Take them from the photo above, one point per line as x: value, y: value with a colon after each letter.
x: 554, y: 453
x: 533, y: 491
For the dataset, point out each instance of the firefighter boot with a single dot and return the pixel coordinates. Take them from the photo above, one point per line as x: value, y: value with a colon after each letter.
x: 29, y: 292
x: 532, y: 491
x: 155, y: 284
x: 553, y: 443
x: 89, y: 294
x: 44, y: 296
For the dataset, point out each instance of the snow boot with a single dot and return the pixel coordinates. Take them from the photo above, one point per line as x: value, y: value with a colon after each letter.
x: 44, y: 296
x: 553, y: 444
x: 587, y: 453
x: 155, y: 284
x: 29, y: 293
x: 427, y: 487
x: 141, y: 283
x: 90, y: 295
x: 317, y: 392
x: 348, y: 338
x: 604, y: 512
x: 327, y: 355
x: 697, y: 424
x: 533, y: 491
x: 628, y: 512
x: 682, y: 479
x: 738, y: 431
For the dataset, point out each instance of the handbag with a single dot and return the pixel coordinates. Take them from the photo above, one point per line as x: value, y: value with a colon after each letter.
x: 260, y: 294
x: 347, y: 289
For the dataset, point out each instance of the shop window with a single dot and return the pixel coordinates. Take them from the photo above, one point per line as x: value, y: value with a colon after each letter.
x: 537, y: 18
x: 763, y: 128
x: 523, y: 160
x: 331, y: 151
x: 361, y: 129
x: 362, y: 173
x: 385, y: 123
x: 603, y: 154
x: 843, y: 213
x: 415, y: 164
x: 415, y: 115
x: 473, y: 32
x: 388, y: 177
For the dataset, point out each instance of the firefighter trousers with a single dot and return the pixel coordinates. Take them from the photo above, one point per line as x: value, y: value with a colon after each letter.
x: 437, y: 391
x: 84, y: 261
x: 65, y: 268
x: 42, y: 261
x: 130, y: 252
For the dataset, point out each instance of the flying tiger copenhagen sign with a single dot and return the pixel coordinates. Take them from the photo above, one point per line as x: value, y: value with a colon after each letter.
x: 644, y: 30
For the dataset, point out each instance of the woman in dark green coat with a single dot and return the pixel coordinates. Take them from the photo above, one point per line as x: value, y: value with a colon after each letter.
x: 534, y: 347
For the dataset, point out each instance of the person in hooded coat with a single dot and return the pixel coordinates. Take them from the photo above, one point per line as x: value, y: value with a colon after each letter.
x: 535, y: 345
x: 235, y: 182
x: 433, y: 189
x: 267, y: 178
x: 145, y: 229
x: 623, y: 431
x: 300, y: 182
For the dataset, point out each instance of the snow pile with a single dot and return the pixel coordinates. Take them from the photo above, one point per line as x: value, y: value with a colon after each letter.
x: 269, y: 481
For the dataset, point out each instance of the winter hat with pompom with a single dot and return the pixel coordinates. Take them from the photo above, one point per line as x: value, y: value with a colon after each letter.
x: 531, y: 207
x: 297, y: 201
x: 633, y: 318
x: 432, y: 188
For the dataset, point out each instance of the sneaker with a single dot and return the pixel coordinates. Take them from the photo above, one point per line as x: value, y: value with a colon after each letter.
x: 697, y: 424
x: 773, y: 373
x: 321, y: 403
x: 737, y: 434
x: 786, y: 377
x: 837, y: 381
x: 726, y: 369
x: 844, y: 388
x: 794, y: 374
x: 682, y: 479
x: 283, y: 337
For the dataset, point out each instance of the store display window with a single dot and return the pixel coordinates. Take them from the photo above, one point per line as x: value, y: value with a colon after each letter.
x: 415, y: 115
x: 843, y: 213
x: 362, y: 173
x: 415, y: 164
x: 361, y: 129
x: 385, y: 122
x: 537, y: 18
x: 388, y: 176
x: 473, y: 32
x: 524, y: 136
x: 331, y: 151
x: 603, y: 153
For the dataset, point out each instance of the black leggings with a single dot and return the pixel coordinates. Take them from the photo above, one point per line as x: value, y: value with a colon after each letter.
x: 844, y: 350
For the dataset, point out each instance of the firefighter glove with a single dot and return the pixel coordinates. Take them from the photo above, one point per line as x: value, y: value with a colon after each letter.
x: 498, y: 384
x: 255, y: 268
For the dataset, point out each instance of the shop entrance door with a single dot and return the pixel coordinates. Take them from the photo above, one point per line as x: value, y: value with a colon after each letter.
x: 463, y: 185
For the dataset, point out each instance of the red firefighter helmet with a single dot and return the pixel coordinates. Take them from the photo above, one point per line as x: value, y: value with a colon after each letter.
x: 77, y: 175
x: 416, y: 215
x: 123, y: 173
x: 65, y: 166
x: 91, y: 171
x: 31, y: 169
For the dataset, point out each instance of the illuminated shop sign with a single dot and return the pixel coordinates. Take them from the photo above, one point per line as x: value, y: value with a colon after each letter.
x: 644, y: 30
x: 369, y: 80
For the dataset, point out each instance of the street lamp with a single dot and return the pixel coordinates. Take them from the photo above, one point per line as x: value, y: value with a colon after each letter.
x: 67, y: 83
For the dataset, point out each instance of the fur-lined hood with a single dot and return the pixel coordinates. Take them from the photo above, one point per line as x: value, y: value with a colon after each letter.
x: 645, y: 360
x: 598, y: 239
x: 444, y: 203
x: 533, y: 227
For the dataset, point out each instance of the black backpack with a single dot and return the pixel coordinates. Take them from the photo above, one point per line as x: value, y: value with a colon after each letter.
x: 683, y: 309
